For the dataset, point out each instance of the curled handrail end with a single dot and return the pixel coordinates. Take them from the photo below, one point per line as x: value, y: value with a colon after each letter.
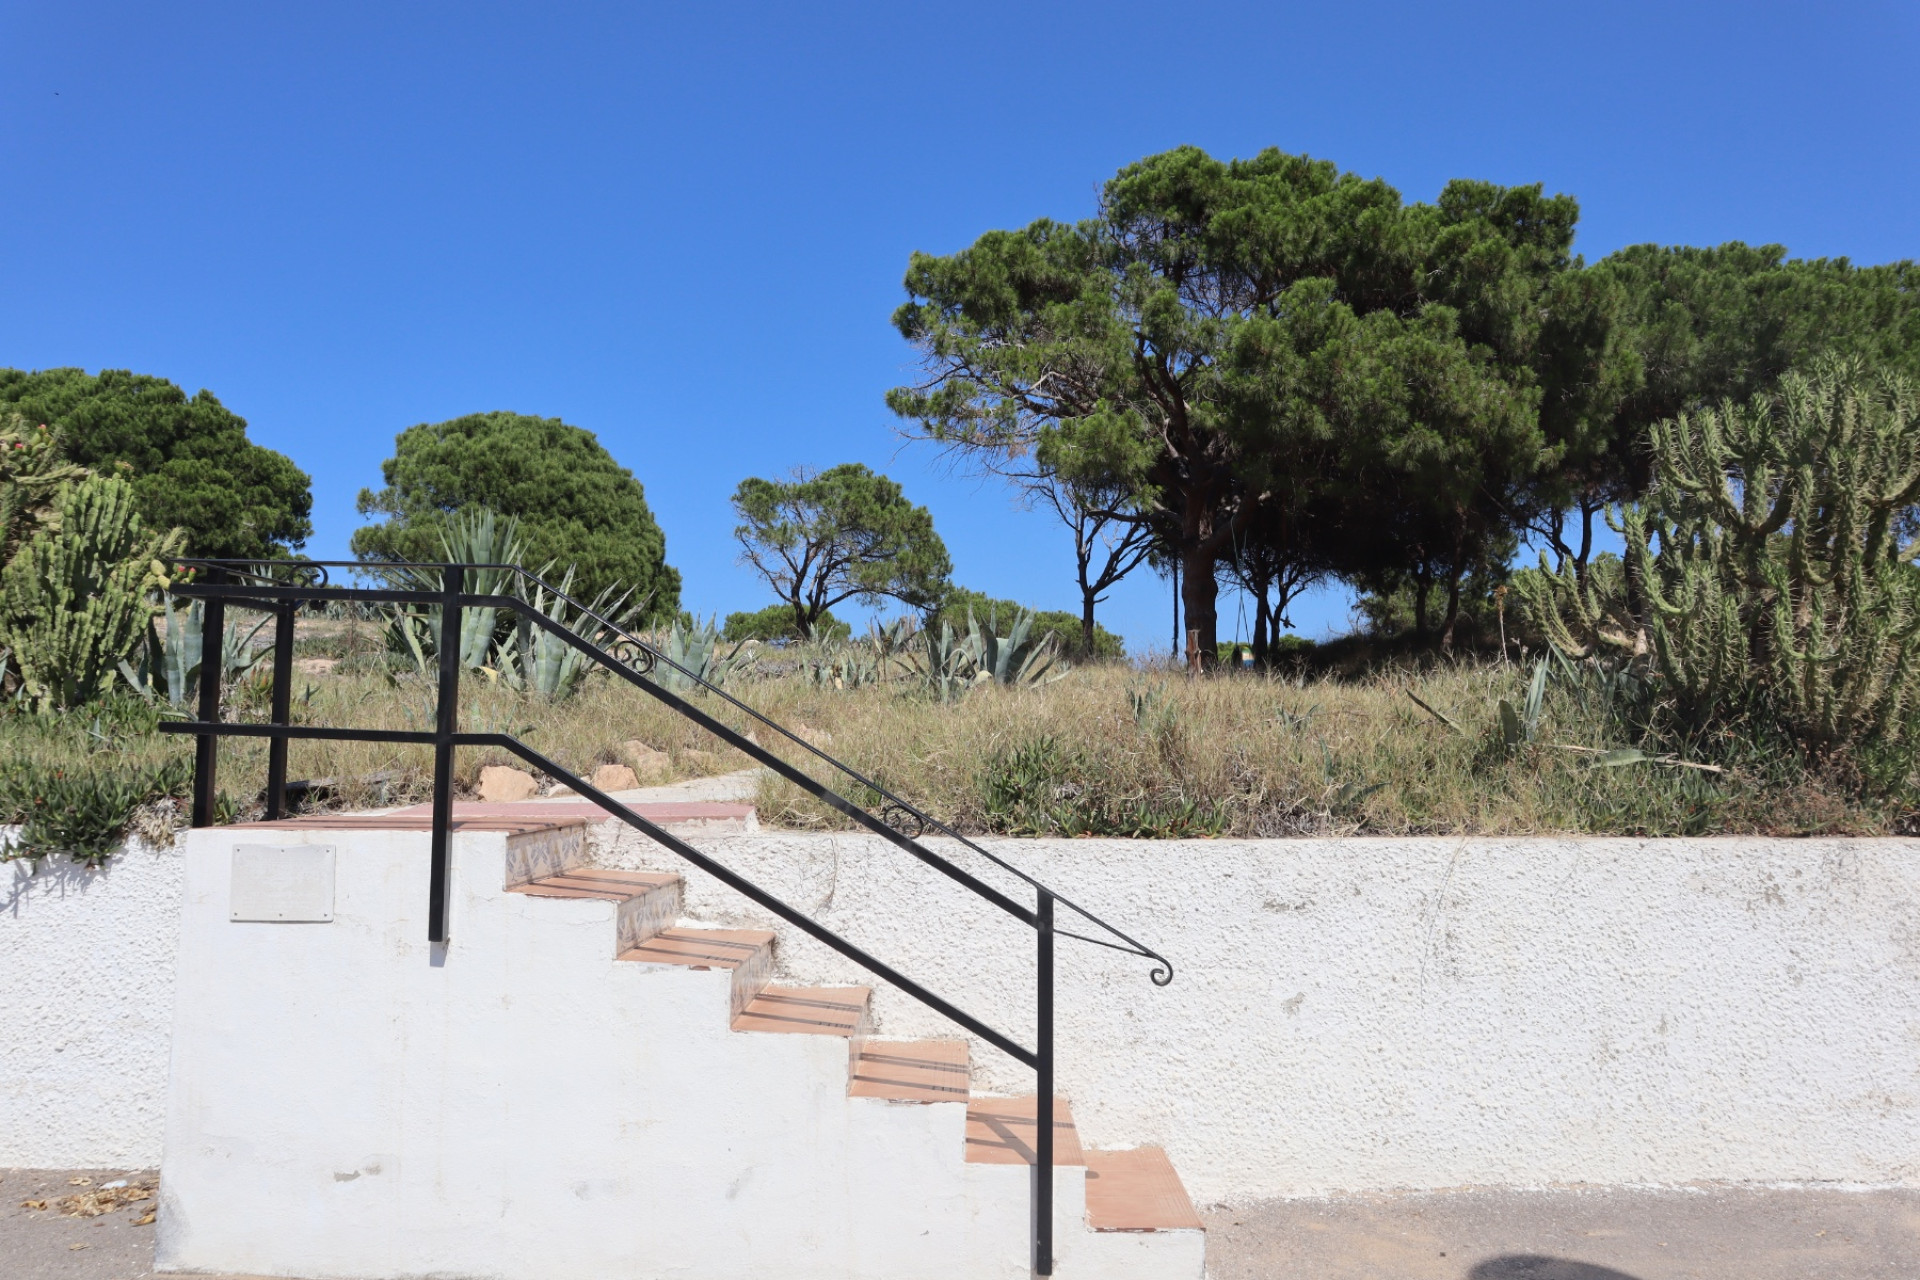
x: 1162, y: 974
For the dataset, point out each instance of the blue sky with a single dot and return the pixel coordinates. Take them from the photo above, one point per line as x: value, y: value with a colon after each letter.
x: 683, y: 227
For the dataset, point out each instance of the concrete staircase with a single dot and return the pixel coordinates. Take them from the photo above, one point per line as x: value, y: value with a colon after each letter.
x: 580, y: 1086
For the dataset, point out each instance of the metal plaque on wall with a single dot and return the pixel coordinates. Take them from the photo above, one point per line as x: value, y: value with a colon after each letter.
x: 282, y: 884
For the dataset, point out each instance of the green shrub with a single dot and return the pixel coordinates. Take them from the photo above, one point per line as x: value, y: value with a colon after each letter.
x: 776, y: 623
x: 959, y: 601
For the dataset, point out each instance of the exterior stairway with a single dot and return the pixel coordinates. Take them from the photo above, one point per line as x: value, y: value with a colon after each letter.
x: 555, y: 1095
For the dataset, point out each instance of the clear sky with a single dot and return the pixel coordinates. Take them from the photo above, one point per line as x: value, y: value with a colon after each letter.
x: 683, y: 227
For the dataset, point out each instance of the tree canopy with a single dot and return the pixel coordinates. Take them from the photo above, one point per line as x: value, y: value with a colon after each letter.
x: 576, y: 505
x: 188, y: 458
x: 1284, y: 371
x: 1228, y: 338
x: 846, y: 533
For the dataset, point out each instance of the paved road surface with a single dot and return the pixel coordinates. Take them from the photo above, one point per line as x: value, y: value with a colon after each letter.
x: 1715, y: 1233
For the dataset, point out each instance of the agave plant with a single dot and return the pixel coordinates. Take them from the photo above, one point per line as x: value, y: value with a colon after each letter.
x: 1014, y: 658
x: 169, y: 667
x: 478, y: 538
x: 694, y: 651
x: 845, y: 667
x: 942, y: 663
x: 533, y: 658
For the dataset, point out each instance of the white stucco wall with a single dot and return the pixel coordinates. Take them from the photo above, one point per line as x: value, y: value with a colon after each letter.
x: 1375, y: 1013
x: 1348, y: 1014
x: 87, y: 963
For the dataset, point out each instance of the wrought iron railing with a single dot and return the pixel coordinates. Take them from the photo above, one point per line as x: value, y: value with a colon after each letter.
x: 282, y: 587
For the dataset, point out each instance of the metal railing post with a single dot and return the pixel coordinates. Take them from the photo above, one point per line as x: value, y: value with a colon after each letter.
x: 446, y: 723
x: 1043, y: 1104
x: 206, y: 747
x: 283, y: 619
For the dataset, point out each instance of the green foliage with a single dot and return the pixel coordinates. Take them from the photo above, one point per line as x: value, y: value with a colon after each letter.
x: 168, y: 668
x: 73, y: 600
x: 1768, y: 553
x: 1040, y: 788
x: 1269, y: 344
x: 499, y: 642
x: 949, y: 666
x: 776, y: 622
x: 190, y: 462
x: 694, y: 649
x: 575, y: 504
x: 1064, y: 627
x: 1521, y: 728
x: 32, y: 470
x: 82, y: 812
x: 846, y: 533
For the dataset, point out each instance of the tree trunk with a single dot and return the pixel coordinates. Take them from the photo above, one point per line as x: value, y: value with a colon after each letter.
x: 1262, y: 641
x: 1453, y: 613
x: 1086, y: 622
x: 1421, y: 586
x: 1200, y: 594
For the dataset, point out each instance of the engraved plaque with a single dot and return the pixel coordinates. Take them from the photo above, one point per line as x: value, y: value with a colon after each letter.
x: 284, y: 884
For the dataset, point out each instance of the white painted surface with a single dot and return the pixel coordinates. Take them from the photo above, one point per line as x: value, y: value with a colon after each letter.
x: 1370, y: 1013
x: 87, y: 963
x: 348, y: 1101
x: 1348, y: 1014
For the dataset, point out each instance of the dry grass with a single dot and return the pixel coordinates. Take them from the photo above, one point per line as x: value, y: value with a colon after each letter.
x: 1113, y: 750
x: 1106, y: 750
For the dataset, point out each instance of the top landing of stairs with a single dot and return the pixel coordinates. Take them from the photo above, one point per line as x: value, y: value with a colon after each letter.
x: 524, y: 816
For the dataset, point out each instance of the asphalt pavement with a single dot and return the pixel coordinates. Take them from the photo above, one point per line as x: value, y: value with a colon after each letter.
x: 1572, y: 1233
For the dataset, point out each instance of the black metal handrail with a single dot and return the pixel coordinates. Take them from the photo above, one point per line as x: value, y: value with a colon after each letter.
x: 633, y: 658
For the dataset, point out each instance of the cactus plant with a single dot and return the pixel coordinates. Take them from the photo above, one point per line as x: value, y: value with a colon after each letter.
x: 32, y: 471
x: 73, y: 599
x: 1770, y: 561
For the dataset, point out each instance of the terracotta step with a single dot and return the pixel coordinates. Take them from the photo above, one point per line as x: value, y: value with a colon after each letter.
x: 589, y: 882
x: 1002, y: 1131
x: 911, y: 1070
x: 747, y: 952
x: 649, y: 900
x: 820, y: 1011
x: 1137, y: 1190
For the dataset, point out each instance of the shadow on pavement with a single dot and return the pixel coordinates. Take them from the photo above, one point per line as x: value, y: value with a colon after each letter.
x: 1534, y: 1266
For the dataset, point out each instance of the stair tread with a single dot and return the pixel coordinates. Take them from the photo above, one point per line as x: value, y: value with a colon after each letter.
x: 1002, y: 1131
x: 821, y: 1011
x: 911, y: 1070
x: 609, y: 886
x: 701, y: 948
x: 1137, y: 1190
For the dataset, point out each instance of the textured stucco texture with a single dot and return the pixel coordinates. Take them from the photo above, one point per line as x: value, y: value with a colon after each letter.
x: 88, y: 959
x: 1370, y: 1014
x: 1347, y: 1015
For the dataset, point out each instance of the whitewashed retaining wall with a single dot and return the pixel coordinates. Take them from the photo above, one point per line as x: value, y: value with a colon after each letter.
x: 1379, y: 1013
x: 1348, y: 1014
x: 86, y: 1007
